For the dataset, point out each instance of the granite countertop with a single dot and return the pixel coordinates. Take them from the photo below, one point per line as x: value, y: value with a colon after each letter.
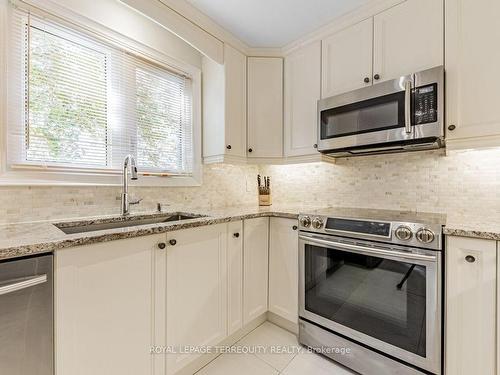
x: 471, y: 226
x: 22, y: 239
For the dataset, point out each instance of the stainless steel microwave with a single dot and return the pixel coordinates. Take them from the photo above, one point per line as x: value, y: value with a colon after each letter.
x: 404, y: 114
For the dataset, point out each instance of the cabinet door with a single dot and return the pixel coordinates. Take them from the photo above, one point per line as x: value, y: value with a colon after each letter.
x: 214, y: 101
x: 408, y: 38
x: 255, y: 267
x: 302, y: 92
x: 196, y: 307
x: 265, y: 107
x: 472, y: 61
x: 234, y: 276
x: 284, y: 268
x: 104, y: 307
x: 347, y: 59
x: 236, y: 101
x: 470, y: 306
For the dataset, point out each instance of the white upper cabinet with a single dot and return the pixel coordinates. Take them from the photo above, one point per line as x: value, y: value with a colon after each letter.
x: 404, y: 39
x: 225, y: 108
x: 265, y: 107
x: 255, y: 267
x: 196, y: 307
x: 472, y: 77
x: 347, y: 59
x: 302, y: 92
x: 408, y: 38
x: 104, y: 307
x: 284, y: 268
x: 236, y: 101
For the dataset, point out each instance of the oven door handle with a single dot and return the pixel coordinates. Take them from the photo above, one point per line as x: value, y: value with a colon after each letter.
x: 369, y: 251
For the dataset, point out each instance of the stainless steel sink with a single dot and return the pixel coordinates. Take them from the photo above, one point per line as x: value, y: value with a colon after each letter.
x: 123, y: 222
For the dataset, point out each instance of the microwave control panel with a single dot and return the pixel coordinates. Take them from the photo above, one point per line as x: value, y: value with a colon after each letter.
x: 425, y: 103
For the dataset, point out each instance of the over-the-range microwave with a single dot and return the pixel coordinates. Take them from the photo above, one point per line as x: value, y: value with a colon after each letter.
x: 399, y: 115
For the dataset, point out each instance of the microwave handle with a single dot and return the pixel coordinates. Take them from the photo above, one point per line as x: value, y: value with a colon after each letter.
x: 408, y: 107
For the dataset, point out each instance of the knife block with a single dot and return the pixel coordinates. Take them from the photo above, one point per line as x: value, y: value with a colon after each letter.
x: 265, y: 199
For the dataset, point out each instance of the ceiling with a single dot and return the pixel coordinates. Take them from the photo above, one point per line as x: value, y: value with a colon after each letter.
x: 273, y: 23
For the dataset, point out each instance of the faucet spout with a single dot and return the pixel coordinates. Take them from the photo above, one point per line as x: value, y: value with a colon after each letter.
x: 129, y: 165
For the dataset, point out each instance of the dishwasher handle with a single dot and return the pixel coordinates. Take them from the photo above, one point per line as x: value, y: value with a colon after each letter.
x: 23, y: 284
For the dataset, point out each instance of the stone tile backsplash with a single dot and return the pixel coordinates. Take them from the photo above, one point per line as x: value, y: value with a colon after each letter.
x: 223, y: 185
x: 464, y: 182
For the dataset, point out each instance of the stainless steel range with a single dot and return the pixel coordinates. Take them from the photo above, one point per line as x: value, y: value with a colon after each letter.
x: 370, y: 289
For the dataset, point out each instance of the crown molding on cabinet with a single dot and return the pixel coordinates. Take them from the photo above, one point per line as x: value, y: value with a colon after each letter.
x: 199, y: 19
x: 265, y: 52
x: 361, y: 13
x: 192, y: 22
x: 181, y: 26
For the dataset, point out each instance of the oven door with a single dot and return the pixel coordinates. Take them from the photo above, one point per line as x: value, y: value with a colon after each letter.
x: 386, y: 298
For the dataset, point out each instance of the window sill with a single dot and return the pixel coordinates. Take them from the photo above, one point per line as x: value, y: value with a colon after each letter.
x: 32, y: 178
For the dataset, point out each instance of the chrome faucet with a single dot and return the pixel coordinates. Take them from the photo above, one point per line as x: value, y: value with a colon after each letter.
x: 128, y: 166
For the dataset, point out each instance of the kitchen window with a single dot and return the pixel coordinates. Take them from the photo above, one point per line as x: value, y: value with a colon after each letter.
x: 79, y: 104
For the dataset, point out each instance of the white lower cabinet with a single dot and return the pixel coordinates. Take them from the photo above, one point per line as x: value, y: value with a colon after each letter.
x: 234, y: 276
x: 196, y: 307
x: 104, y: 307
x: 470, y: 320
x: 255, y: 267
x: 185, y: 289
x: 283, y: 268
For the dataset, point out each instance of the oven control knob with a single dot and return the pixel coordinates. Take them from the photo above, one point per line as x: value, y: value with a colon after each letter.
x: 305, y: 221
x: 317, y: 223
x: 403, y: 233
x: 425, y: 235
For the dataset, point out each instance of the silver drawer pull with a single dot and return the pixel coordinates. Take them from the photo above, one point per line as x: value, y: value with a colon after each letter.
x: 26, y: 283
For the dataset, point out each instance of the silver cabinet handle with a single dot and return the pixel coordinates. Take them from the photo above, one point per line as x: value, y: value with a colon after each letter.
x: 408, y: 107
x: 26, y: 283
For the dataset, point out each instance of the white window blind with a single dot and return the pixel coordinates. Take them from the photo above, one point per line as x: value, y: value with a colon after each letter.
x: 79, y: 103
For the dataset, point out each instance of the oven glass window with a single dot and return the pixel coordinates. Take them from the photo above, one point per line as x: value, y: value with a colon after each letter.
x: 382, y: 298
x: 371, y: 115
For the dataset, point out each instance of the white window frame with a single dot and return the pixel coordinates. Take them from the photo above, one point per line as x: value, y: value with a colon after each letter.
x: 64, y: 176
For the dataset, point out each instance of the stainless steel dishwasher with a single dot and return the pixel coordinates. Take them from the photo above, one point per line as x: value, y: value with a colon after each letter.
x: 26, y: 316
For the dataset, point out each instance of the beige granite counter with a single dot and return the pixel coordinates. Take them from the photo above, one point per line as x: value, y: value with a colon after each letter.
x: 486, y: 227
x: 22, y: 239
